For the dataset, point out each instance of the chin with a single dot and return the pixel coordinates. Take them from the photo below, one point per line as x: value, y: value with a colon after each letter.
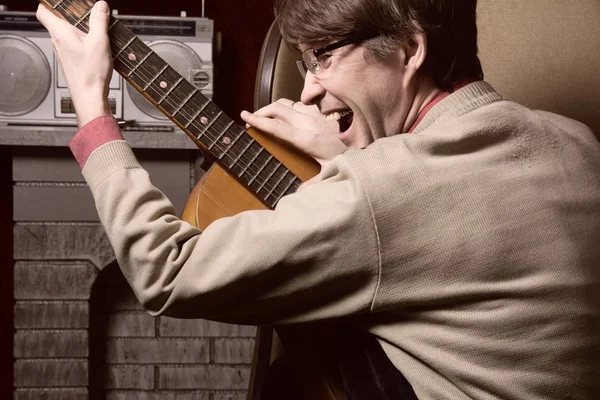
x: 349, y: 137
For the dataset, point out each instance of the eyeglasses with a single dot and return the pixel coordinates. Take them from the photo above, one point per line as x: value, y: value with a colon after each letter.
x: 310, y: 57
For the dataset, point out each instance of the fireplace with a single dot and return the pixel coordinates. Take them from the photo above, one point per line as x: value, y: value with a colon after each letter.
x: 79, y: 331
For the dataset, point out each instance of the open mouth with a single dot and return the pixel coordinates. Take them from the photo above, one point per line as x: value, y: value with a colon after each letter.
x: 344, y: 119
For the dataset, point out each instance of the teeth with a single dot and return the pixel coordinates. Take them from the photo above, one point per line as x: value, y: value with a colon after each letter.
x: 337, y: 115
x: 334, y: 116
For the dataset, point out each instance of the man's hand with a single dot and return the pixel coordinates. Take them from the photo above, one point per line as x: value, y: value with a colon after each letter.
x: 85, y: 59
x: 302, y: 126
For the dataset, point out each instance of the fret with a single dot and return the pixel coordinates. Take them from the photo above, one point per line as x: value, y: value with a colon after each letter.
x: 83, y: 17
x: 197, y: 114
x: 294, y: 187
x: 242, y: 152
x: 140, y: 63
x: 270, y: 192
x: 170, y: 90
x: 233, y: 143
x: 277, y: 184
x: 221, y: 135
x: 125, y: 46
x: 268, y: 187
x: 116, y: 21
x: 209, y: 125
x: 260, y: 171
x: 58, y: 4
x: 243, y: 143
x: 185, y: 101
x: 270, y: 176
x: 288, y: 186
x: 251, y: 155
x: 156, y: 77
x: 266, y: 164
x: 251, y: 161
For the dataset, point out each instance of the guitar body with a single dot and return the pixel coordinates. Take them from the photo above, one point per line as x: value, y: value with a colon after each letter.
x: 215, y: 196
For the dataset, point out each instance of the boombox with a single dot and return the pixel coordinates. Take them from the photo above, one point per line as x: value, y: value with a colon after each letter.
x: 33, y: 90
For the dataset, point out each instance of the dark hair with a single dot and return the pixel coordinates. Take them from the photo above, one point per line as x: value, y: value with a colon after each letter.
x: 450, y: 27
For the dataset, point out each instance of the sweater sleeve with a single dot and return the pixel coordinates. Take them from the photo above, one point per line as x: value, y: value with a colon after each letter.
x: 93, y: 135
x: 314, y: 257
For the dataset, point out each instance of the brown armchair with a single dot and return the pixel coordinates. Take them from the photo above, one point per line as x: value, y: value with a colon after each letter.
x: 544, y: 54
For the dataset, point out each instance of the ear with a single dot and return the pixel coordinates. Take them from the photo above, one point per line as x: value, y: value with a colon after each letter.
x: 415, y: 51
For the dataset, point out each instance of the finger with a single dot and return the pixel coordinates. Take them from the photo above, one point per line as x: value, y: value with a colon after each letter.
x: 99, y: 19
x: 276, y: 110
x: 51, y: 22
x: 286, y: 102
x: 300, y: 107
x: 265, y: 124
x: 310, y: 109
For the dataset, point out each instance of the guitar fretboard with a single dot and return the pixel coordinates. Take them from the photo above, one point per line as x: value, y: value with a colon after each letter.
x: 184, y: 104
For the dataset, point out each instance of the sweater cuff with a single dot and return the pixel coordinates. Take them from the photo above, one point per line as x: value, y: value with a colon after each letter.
x: 93, y: 135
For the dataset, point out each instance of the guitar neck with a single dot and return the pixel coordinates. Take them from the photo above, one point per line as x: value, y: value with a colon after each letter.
x: 213, y: 131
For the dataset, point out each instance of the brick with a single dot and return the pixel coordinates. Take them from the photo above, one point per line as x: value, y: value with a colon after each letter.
x: 130, y: 377
x: 53, y: 281
x: 51, y: 394
x: 174, y: 327
x: 117, y: 298
x: 230, y: 396
x: 51, y: 315
x: 204, y: 377
x: 160, y: 395
x: 130, y: 325
x: 51, y: 344
x: 55, y: 373
x: 47, y: 203
x: 150, y: 351
x: 233, y: 351
x: 62, y: 242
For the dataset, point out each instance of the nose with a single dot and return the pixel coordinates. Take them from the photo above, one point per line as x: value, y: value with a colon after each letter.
x: 312, y: 91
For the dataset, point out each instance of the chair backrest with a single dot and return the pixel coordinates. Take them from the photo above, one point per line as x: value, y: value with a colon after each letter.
x: 544, y: 54
x: 277, y: 75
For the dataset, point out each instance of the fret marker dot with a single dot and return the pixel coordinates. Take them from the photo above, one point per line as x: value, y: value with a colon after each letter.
x: 226, y: 140
x: 131, y: 56
x: 204, y: 120
x: 163, y: 85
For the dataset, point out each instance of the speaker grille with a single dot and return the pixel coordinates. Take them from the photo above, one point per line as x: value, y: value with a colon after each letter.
x: 25, y: 76
x: 182, y: 58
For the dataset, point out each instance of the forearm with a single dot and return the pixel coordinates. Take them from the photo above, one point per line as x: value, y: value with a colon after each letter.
x: 257, y: 267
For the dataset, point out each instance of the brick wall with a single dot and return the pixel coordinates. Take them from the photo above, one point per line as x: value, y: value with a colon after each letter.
x: 81, y: 334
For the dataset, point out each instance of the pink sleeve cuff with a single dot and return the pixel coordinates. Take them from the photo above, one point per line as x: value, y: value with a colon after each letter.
x: 93, y: 135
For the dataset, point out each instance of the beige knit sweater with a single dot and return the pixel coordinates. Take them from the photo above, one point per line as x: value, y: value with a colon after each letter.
x: 470, y: 248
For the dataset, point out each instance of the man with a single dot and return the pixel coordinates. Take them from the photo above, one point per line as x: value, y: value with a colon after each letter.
x: 460, y: 229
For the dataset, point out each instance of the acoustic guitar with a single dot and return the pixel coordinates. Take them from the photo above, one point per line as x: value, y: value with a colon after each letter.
x: 249, y: 171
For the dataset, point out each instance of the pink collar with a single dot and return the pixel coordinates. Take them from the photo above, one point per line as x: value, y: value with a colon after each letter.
x: 433, y: 102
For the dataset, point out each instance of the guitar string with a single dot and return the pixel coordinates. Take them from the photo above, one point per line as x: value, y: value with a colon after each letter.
x: 273, y: 189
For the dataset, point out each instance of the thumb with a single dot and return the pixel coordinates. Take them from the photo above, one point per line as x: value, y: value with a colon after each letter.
x: 99, y: 18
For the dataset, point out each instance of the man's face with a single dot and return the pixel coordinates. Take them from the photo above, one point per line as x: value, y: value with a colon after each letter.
x: 368, y: 97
